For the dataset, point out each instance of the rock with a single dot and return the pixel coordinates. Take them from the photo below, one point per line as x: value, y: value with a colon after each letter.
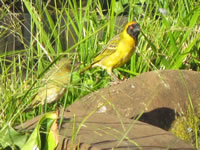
x: 157, y: 94
x: 102, y: 132
x: 98, y: 131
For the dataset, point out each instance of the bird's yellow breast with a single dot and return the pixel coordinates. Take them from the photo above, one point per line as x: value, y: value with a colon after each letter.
x: 123, y: 53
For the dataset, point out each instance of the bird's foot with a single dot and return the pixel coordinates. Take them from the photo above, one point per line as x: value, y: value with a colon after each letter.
x: 115, y: 82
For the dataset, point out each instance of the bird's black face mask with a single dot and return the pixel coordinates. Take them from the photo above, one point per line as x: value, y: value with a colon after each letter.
x: 133, y: 30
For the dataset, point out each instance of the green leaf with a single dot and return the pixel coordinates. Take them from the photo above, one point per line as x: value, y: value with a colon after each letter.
x: 52, y: 137
x: 34, y: 141
x: 118, y: 7
x: 10, y: 137
x: 124, y: 2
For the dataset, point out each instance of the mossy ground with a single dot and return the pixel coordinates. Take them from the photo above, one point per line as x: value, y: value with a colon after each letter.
x: 187, y: 126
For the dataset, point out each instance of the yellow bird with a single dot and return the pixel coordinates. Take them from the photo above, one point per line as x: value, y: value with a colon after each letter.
x: 53, y: 84
x: 118, y: 50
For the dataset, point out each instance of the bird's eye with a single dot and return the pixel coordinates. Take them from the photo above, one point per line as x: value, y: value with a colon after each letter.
x: 131, y: 27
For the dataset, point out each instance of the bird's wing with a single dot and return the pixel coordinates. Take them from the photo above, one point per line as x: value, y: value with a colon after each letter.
x: 109, y: 49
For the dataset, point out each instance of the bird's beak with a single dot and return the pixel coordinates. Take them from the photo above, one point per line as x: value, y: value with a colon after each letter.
x: 136, y: 31
x: 137, y: 28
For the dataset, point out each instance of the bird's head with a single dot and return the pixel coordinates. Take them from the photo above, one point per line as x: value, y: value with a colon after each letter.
x: 133, y: 29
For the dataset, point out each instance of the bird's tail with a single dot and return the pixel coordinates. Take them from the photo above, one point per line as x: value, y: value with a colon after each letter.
x: 86, y: 68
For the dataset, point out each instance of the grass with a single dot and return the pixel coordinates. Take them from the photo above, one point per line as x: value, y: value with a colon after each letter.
x: 168, y: 41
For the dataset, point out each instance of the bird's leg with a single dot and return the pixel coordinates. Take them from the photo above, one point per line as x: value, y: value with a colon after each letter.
x: 123, y: 77
x: 114, y: 76
x: 116, y: 80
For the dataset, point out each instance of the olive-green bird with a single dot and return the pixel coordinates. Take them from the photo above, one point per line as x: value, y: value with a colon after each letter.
x: 53, y: 84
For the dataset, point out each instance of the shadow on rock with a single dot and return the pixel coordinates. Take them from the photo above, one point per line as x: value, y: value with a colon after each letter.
x: 160, y: 117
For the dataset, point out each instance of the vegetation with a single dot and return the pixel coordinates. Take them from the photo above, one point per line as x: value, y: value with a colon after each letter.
x: 78, y: 30
x: 186, y: 126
